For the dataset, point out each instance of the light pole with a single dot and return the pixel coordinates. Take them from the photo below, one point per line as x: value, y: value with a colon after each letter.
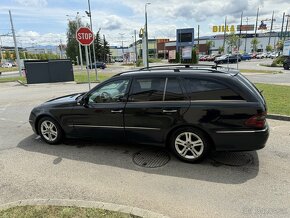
x: 146, y: 35
x: 91, y: 24
x: 1, y: 52
x: 122, y: 35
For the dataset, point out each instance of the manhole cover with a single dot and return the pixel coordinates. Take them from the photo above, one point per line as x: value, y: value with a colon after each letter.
x: 151, y: 158
x: 232, y: 158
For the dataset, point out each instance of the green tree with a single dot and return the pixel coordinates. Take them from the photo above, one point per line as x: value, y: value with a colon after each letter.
x: 232, y: 40
x: 194, y: 56
x: 254, y: 44
x: 269, y: 48
x: 105, y: 50
x: 7, y: 55
x: 98, y: 46
x: 72, y: 49
x: 221, y: 49
x: 280, y: 45
x: 209, y: 45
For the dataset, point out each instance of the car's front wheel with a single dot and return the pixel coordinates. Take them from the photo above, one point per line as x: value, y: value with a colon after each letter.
x: 189, y: 144
x: 286, y: 67
x: 49, y: 130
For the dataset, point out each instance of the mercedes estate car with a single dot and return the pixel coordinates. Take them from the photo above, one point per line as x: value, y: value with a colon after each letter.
x: 189, y: 109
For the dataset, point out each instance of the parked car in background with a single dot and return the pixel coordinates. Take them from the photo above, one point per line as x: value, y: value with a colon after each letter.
x: 7, y: 65
x: 119, y: 60
x: 245, y: 57
x: 212, y: 57
x: 101, y: 65
x: 191, y: 110
x: 227, y: 59
x: 261, y: 55
x: 203, y: 58
x: 254, y: 55
x: 274, y: 55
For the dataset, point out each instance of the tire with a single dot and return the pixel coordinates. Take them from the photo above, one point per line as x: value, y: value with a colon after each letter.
x: 54, y: 133
x: 286, y: 67
x: 182, y: 144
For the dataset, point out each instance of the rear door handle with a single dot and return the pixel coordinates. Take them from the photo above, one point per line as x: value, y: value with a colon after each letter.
x: 169, y: 111
x: 117, y: 111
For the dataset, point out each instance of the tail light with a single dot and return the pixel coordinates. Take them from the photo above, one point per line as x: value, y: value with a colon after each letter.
x: 257, y: 121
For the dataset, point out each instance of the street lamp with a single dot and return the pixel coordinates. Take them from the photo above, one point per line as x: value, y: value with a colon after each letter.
x: 146, y: 35
x: 89, y: 14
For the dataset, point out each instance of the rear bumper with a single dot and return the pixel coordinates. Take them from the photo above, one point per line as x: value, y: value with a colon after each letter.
x: 241, y: 140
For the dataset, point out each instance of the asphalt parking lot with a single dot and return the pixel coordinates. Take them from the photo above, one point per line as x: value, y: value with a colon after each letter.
x: 258, y: 186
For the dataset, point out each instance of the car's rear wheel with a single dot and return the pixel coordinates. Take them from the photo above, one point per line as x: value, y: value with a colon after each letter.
x: 286, y: 67
x: 49, y: 130
x: 189, y: 144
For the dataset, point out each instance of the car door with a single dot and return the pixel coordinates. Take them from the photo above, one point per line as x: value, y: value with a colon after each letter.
x: 154, y: 106
x: 102, y: 114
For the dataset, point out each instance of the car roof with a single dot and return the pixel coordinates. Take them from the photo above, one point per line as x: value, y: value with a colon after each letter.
x: 184, y: 70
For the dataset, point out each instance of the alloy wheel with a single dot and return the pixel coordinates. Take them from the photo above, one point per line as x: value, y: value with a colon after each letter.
x: 49, y: 130
x: 189, y: 145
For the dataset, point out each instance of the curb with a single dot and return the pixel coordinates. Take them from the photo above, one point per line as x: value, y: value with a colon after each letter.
x: 87, y: 204
x: 278, y: 117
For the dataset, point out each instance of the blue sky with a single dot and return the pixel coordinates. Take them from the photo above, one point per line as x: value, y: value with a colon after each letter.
x: 44, y: 22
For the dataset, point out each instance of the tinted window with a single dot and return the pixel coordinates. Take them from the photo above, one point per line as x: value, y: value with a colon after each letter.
x: 173, y: 90
x: 110, y: 92
x: 147, y: 89
x: 209, y: 90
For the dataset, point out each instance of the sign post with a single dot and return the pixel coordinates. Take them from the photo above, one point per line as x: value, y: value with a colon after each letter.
x: 85, y: 37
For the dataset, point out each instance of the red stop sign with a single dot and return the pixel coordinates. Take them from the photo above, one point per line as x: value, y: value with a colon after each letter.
x: 84, y: 36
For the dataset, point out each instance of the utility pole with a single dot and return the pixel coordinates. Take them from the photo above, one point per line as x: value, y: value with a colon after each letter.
x: 80, y: 48
x: 225, y: 28
x: 136, y: 54
x: 1, y: 53
x: 272, y: 20
x: 246, y: 37
x: 198, y: 37
x: 122, y: 35
x: 15, y: 44
x: 281, y: 36
x: 257, y: 22
x: 90, y: 57
x: 94, y: 51
x: 104, y: 48
x: 241, y: 24
x: 146, y: 36
x: 286, y: 29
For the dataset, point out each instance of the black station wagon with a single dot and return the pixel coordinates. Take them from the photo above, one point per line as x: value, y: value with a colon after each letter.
x: 190, y: 109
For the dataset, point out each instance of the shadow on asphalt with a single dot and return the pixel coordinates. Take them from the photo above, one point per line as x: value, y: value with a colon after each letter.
x: 120, y: 155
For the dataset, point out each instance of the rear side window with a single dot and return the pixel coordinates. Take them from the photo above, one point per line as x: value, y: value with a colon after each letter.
x: 209, y: 90
x: 147, y: 89
x: 173, y: 90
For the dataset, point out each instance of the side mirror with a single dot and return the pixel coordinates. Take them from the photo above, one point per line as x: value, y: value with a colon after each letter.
x: 82, y: 101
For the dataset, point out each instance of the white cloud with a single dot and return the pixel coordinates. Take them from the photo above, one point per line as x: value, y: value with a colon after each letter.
x: 32, y: 38
x: 32, y: 3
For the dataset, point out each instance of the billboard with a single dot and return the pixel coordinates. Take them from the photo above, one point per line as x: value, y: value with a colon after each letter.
x: 249, y: 27
x: 186, y: 52
x: 286, y: 48
x: 172, y: 55
x: 221, y: 29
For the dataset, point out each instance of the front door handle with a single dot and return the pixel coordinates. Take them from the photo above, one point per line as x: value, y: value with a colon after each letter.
x: 117, y: 111
x: 169, y: 111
